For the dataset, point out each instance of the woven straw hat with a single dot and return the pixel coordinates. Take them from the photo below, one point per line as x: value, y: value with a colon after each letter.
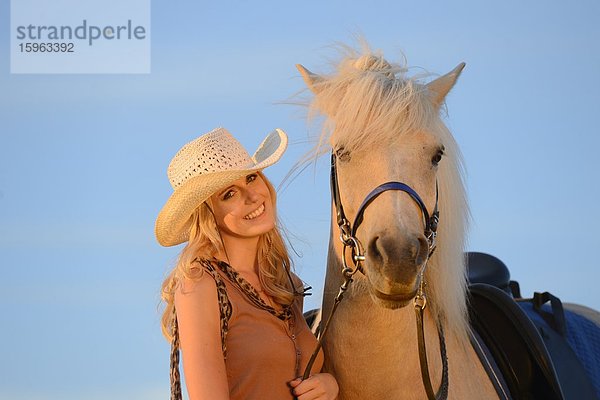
x: 202, y: 167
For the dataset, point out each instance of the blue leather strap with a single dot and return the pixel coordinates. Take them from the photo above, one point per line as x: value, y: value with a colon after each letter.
x: 383, y: 188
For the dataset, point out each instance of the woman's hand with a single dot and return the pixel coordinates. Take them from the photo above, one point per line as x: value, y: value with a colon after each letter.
x: 321, y: 386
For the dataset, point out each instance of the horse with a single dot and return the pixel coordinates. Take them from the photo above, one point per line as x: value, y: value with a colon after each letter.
x: 384, y: 126
x: 401, y: 251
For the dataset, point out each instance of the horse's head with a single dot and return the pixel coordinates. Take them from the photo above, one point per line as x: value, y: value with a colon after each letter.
x: 385, y: 127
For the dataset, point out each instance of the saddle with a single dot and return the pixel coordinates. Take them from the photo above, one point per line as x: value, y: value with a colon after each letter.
x: 526, y: 337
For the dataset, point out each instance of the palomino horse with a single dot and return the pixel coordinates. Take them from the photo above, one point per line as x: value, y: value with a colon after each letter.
x: 383, y: 127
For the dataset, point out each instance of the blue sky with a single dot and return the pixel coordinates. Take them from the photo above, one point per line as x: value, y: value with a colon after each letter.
x: 83, y: 164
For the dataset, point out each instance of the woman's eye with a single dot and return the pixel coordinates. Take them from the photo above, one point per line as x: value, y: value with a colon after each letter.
x: 228, y: 194
x: 251, y: 178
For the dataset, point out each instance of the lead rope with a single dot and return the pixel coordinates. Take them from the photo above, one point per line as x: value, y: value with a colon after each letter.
x: 348, y: 273
x: 420, y: 303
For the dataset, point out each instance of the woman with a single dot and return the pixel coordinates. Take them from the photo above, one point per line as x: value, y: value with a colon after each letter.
x: 238, y: 307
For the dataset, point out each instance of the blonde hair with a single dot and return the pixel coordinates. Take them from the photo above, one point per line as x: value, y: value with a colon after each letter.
x: 274, y: 265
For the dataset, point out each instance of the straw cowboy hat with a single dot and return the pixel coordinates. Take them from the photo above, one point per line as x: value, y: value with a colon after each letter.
x: 202, y: 167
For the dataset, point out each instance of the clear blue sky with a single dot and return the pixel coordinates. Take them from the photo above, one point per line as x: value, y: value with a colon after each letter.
x: 83, y: 164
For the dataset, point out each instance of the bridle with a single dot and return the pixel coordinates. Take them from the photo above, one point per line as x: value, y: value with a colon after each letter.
x: 350, y: 241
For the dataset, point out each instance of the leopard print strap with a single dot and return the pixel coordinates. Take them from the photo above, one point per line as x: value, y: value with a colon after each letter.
x: 225, y: 308
x: 174, y: 375
x: 251, y: 294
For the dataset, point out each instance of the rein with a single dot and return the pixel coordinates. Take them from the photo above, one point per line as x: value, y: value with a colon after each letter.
x: 349, y: 240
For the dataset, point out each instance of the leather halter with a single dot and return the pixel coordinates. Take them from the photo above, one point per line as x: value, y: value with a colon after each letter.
x: 348, y: 238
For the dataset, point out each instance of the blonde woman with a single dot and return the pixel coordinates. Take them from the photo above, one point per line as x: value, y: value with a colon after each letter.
x: 232, y: 304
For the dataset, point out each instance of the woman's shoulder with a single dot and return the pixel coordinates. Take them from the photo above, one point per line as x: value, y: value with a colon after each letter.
x: 199, y: 282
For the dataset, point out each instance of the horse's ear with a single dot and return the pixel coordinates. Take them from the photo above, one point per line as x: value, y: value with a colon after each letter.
x: 313, y: 81
x: 440, y: 87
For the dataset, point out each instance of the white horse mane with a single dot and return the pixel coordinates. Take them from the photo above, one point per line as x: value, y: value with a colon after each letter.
x: 370, y: 100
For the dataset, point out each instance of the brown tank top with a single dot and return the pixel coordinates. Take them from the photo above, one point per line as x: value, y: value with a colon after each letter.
x: 264, y: 350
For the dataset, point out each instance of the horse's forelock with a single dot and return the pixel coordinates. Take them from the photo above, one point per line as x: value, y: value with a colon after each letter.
x: 367, y: 106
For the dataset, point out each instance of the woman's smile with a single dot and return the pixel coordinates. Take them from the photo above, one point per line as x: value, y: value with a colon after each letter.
x: 256, y: 213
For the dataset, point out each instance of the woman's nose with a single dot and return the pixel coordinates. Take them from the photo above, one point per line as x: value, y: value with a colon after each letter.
x: 251, y: 195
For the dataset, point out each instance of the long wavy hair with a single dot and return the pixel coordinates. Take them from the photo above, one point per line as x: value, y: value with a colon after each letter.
x: 205, y: 242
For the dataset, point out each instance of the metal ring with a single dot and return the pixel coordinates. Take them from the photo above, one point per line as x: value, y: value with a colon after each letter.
x: 358, y: 255
x: 355, y: 261
x: 420, y: 301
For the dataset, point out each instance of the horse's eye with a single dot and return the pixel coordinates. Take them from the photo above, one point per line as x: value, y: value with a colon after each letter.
x: 342, y: 154
x: 437, y: 157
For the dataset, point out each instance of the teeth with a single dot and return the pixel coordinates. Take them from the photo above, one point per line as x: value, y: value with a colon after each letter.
x: 256, y: 213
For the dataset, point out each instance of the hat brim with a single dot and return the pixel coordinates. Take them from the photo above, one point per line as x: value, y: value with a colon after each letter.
x: 173, y: 223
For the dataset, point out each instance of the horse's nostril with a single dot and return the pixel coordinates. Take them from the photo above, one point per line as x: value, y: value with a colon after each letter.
x: 373, y: 250
x: 422, y: 250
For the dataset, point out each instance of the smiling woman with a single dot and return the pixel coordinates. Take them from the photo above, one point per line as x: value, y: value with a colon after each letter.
x: 232, y: 303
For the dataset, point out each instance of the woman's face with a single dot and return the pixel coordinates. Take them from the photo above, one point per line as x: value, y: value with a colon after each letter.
x: 244, y: 209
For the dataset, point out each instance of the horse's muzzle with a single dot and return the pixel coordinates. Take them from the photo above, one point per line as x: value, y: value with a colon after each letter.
x: 392, y: 267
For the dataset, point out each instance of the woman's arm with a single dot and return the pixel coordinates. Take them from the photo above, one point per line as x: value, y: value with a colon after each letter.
x: 198, y: 317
